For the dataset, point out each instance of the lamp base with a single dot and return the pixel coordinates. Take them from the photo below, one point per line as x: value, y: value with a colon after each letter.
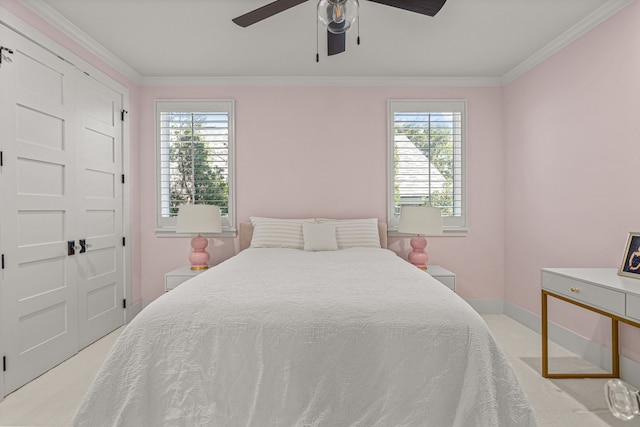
x: 419, y: 256
x: 199, y: 257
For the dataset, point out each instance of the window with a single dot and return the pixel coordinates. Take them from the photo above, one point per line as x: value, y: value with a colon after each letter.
x: 426, y: 158
x: 195, y: 158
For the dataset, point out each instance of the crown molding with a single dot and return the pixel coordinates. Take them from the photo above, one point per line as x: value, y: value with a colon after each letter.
x: 594, y: 19
x: 322, y: 81
x: 76, y: 34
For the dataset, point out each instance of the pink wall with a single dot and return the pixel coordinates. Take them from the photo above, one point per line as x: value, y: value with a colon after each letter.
x: 321, y: 151
x: 571, y: 162
x: 28, y: 16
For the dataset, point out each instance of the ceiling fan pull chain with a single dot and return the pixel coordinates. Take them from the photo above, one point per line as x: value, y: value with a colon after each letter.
x: 317, y: 43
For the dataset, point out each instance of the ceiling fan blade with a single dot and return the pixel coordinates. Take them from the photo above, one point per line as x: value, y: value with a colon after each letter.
x: 336, y: 43
x: 265, y: 12
x: 424, y: 7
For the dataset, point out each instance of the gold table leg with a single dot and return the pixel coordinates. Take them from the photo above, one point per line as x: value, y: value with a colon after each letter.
x: 545, y: 342
x: 615, y: 355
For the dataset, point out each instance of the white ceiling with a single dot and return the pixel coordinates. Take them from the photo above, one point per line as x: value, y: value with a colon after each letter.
x: 196, y: 38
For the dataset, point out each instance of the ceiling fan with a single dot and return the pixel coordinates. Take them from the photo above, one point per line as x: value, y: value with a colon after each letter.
x: 337, y: 15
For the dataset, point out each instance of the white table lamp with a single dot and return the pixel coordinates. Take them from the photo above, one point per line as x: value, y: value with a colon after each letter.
x: 198, y: 219
x: 421, y: 221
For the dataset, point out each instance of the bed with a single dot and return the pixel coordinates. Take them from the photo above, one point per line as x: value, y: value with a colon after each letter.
x: 282, y: 336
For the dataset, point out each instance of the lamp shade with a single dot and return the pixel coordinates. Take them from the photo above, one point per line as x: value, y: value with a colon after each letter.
x: 199, y: 219
x: 420, y: 220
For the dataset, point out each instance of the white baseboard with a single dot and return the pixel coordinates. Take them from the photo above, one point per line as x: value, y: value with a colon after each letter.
x: 134, y: 310
x: 630, y: 371
x: 487, y: 306
x: 146, y: 302
x: 586, y: 349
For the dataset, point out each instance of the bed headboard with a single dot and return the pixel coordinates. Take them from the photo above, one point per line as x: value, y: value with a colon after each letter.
x: 246, y: 232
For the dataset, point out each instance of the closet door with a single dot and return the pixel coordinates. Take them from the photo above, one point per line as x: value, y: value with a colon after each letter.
x: 101, y: 288
x: 39, y: 287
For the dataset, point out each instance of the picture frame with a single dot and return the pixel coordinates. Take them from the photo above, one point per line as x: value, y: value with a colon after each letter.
x: 630, y: 265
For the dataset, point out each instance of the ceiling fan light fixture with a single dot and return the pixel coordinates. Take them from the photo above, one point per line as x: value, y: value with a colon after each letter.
x: 338, y: 15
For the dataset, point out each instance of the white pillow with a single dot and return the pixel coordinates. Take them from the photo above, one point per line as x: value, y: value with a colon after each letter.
x: 355, y: 233
x: 278, y: 233
x: 319, y: 237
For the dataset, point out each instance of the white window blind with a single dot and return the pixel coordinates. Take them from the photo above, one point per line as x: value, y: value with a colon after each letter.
x: 426, y: 158
x: 195, y: 152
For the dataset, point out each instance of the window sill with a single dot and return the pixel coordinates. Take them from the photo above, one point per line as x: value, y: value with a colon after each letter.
x: 162, y: 232
x: 447, y: 232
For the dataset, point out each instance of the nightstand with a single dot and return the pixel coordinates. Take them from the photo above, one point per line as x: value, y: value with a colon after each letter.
x: 442, y: 275
x: 173, y: 278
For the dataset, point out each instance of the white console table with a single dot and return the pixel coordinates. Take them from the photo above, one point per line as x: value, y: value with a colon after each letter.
x: 600, y: 290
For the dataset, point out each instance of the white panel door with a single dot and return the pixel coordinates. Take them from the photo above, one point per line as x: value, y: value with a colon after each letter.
x: 39, y: 287
x: 101, y: 289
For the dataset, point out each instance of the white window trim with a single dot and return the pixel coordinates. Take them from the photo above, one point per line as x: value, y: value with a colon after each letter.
x: 452, y: 226
x: 167, y: 227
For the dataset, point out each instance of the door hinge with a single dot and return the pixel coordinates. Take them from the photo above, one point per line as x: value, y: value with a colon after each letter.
x: 124, y: 303
x: 1, y: 159
x: 2, y: 55
x: 123, y: 178
x: 4, y: 363
x: 2, y: 261
x: 122, y: 113
x: 124, y: 242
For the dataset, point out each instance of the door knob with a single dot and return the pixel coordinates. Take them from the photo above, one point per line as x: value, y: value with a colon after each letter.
x: 71, y: 247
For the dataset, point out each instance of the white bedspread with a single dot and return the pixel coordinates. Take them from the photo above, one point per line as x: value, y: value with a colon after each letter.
x: 278, y: 337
